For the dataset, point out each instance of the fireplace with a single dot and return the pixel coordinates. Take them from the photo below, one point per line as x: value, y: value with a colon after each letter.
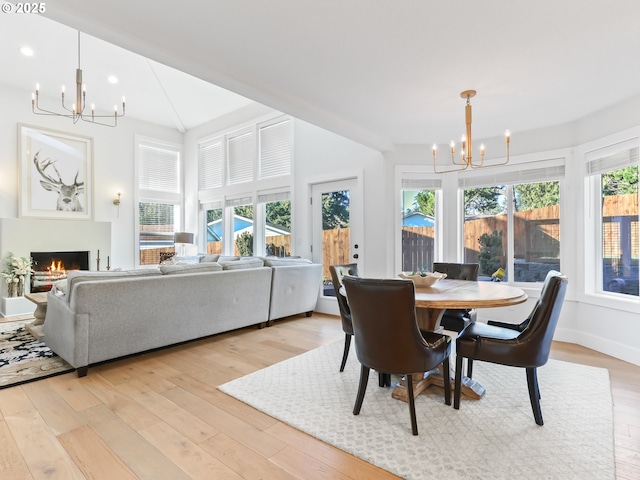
x: 52, y: 267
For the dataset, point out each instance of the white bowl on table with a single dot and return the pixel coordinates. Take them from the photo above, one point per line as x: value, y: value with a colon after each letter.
x: 423, y: 279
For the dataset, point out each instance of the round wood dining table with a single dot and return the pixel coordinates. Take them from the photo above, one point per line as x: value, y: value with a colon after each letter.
x: 431, y: 302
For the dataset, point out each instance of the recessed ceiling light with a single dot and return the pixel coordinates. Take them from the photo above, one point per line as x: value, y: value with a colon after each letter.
x: 113, y: 79
x: 26, y: 51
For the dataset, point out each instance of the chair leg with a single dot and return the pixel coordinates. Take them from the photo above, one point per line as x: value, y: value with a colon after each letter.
x: 534, y: 394
x: 412, y: 405
x: 446, y: 373
x: 362, y: 388
x: 347, y: 345
x: 458, y: 386
x: 384, y: 379
x: 469, y: 367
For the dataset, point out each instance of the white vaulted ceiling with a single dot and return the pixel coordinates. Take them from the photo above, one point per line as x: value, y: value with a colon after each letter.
x: 381, y: 72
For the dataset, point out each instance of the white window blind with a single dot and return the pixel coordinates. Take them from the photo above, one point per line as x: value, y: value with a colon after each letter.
x: 421, y: 184
x: 211, y: 156
x: 551, y: 170
x: 273, y: 197
x: 159, y: 169
x: 241, y: 153
x: 275, y: 149
x: 614, y: 161
x: 213, y: 205
x: 236, y: 202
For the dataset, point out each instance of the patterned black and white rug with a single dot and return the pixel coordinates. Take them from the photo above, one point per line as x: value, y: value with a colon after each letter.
x: 495, y: 437
x: 23, y: 358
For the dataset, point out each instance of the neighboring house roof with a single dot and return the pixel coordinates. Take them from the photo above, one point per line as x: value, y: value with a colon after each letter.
x: 417, y: 219
x: 241, y: 224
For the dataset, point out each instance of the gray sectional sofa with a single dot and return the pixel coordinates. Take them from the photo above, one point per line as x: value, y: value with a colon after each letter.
x: 99, y: 316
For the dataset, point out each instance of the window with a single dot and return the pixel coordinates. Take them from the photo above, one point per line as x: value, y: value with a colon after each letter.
x: 214, y: 227
x: 245, y: 177
x: 242, y: 208
x: 418, y: 205
x: 241, y: 158
x: 159, y: 199
x: 614, y: 191
x: 275, y: 149
x: 276, y: 208
x: 512, y: 228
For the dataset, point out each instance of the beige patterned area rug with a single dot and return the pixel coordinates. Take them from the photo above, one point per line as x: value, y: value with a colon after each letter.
x: 495, y: 437
x: 25, y: 359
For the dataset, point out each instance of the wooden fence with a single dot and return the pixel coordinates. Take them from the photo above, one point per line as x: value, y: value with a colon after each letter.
x: 336, y: 249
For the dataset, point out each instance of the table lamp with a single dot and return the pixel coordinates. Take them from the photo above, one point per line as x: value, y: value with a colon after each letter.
x: 183, y: 238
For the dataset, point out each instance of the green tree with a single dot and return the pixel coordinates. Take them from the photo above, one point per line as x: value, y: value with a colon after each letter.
x: 483, y: 201
x: 244, y: 242
x: 620, y: 182
x: 536, y: 195
x: 490, y: 256
x: 279, y: 213
x: 244, y: 211
x: 335, y: 210
x: 213, y: 215
x: 425, y: 202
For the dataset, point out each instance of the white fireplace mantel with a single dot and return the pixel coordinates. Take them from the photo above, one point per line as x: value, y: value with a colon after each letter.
x: 21, y: 236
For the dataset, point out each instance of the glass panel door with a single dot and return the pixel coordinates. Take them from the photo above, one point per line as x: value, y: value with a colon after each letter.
x: 336, y: 228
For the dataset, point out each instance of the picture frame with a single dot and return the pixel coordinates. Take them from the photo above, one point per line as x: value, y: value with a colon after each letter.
x: 55, y: 174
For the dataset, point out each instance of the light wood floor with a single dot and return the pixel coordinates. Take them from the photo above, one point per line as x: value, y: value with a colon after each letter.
x: 159, y: 415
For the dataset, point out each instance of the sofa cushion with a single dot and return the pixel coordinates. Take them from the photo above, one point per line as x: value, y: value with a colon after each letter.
x: 190, y: 268
x: 181, y: 260
x: 77, y: 276
x: 282, y: 261
x: 250, y: 262
x: 210, y: 257
x: 227, y: 258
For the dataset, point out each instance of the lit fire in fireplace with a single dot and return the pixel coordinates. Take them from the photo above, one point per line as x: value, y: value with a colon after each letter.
x: 56, y: 270
x: 44, y: 278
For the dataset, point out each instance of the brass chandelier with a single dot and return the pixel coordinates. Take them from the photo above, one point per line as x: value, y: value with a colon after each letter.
x: 465, y: 161
x: 77, y: 110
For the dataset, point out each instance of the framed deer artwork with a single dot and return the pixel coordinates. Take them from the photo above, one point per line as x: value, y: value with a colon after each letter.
x: 56, y: 174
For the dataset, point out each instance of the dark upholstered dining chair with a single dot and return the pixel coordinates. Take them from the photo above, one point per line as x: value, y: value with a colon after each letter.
x: 387, y: 337
x: 528, y: 349
x: 457, y: 319
x: 337, y: 272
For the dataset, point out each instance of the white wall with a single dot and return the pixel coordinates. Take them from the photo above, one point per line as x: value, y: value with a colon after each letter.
x: 114, y: 155
x: 322, y: 156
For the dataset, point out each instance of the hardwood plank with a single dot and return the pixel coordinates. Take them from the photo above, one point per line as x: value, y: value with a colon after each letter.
x: 345, y: 463
x: 184, y: 422
x: 40, y: 448
x: 12, y: 465
x: 57, y: 413
x: 242, y: 460
x: 93, y: 457
x: 233, y: 426
x: 193, y: 460
x: 131, y: 447
x: 73, y: 392
x: 302, y: 465
x: 231, y: 405
x: 13, y: 400
x: 124, y: 407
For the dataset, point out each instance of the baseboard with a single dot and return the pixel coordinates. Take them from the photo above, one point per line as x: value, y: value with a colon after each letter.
x: 599, y: 344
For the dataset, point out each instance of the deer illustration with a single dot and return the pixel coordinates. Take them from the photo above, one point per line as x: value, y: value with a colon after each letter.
x: 67, y: 194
